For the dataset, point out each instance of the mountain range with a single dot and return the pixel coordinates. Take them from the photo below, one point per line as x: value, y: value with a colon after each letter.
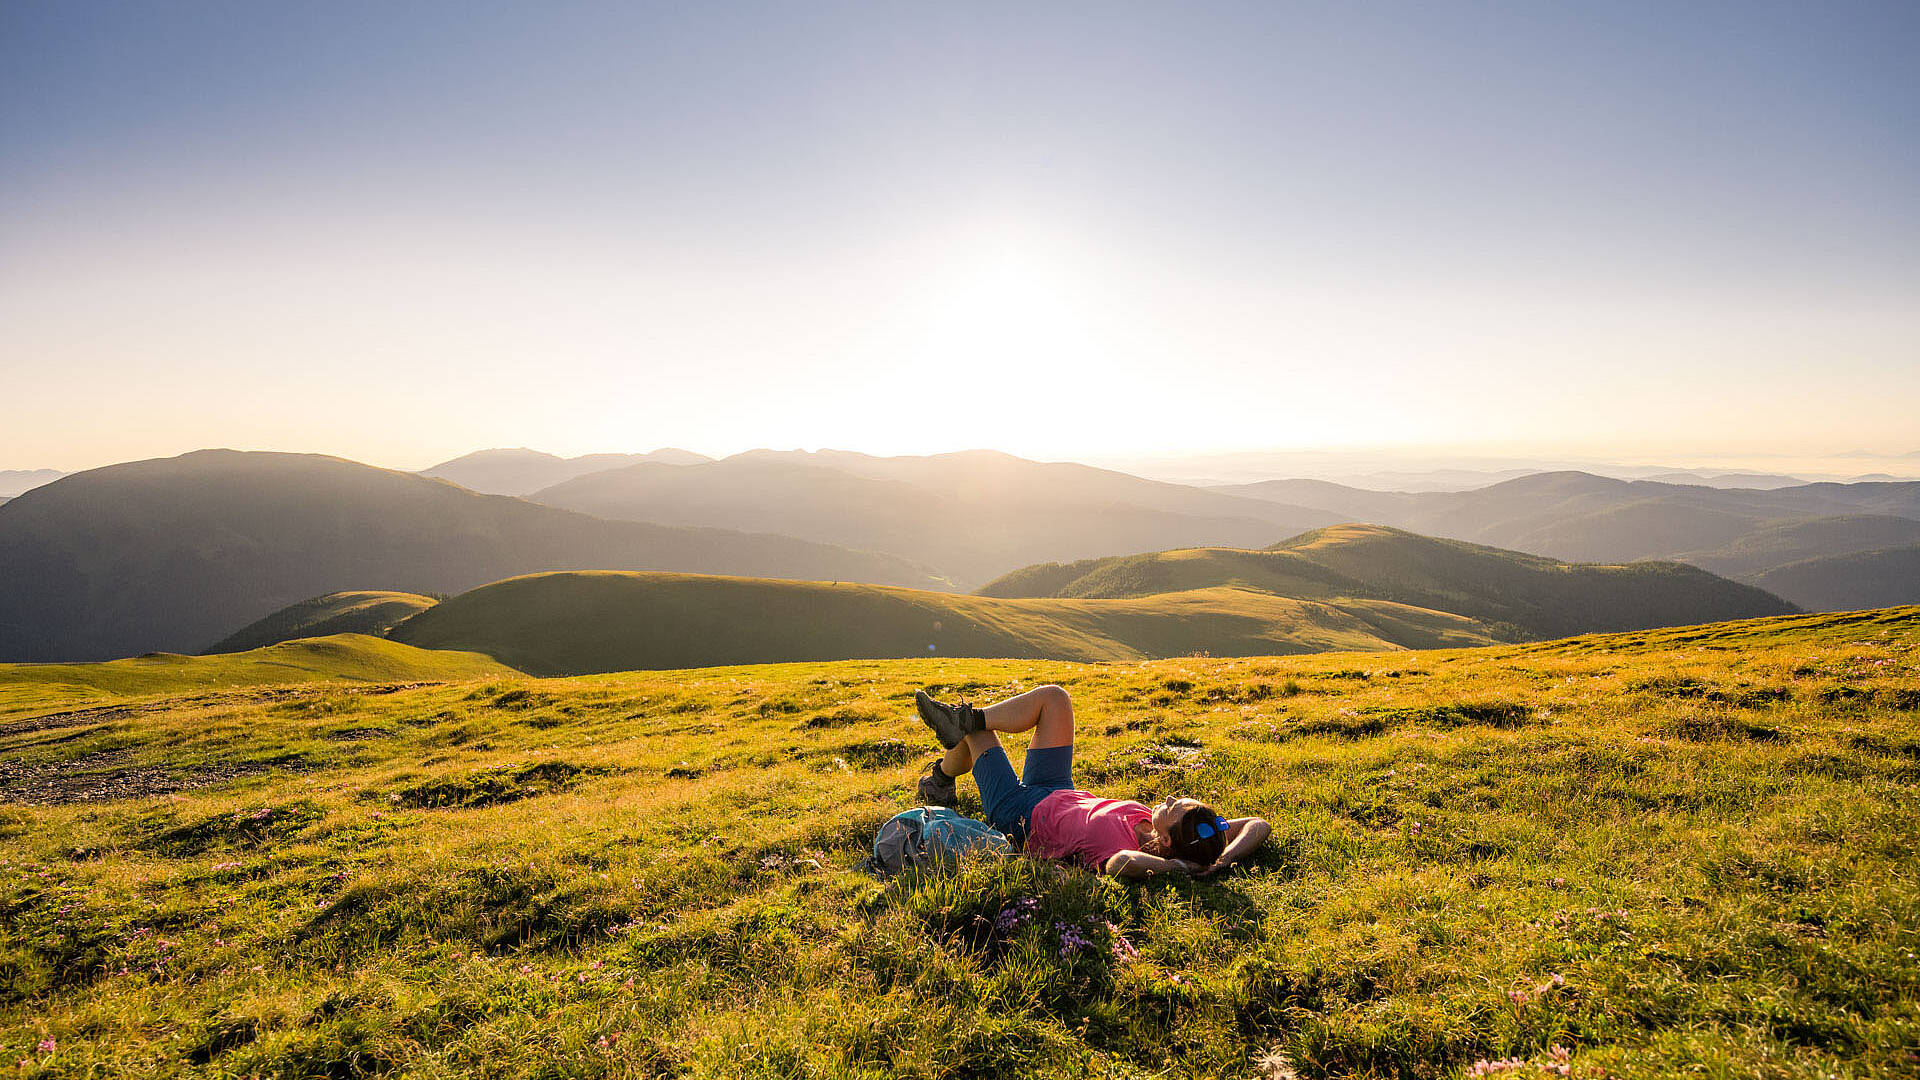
x: 175, y: 553
x: 521, y: 471
x: 972, y: 515
x: 1745, y: 533
x: 16, y: 481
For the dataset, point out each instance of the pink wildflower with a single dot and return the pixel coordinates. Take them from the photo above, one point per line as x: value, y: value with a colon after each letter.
x: 48, y: 1046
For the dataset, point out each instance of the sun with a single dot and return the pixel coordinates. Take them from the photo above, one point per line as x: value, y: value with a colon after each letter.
x: 1008, y: 313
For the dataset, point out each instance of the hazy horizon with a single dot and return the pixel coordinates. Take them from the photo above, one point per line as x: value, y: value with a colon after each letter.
x: 1088, y: 232
x: 1374, y: 467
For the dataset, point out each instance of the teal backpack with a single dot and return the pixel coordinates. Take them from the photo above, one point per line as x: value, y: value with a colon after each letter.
x: 928, y: 835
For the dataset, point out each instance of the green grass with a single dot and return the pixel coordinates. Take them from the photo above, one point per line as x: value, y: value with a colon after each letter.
x: 349, y: 657
x: 597, y: 621
x: 363, y: 612
x: 1677, y: 852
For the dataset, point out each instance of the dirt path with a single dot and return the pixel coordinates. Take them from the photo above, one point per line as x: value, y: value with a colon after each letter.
x: 104, y: 775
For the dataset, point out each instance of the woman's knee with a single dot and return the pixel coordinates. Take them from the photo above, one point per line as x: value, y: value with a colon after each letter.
x: 1054, y: 697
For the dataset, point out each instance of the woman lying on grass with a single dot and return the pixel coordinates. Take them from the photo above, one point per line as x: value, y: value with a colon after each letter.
x: 1111, y: 836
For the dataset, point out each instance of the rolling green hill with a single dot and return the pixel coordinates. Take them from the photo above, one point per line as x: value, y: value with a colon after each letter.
x: 572, y: 623
x: 174, y: 553
x: 335, y: 613
x: 1670, y: 853
x: 345, y: 657
x: 1532, y: 595
x: 971, y: 516
x: 1741, y: 533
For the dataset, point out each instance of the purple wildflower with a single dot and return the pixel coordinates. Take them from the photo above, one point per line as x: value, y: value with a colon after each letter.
x: 1016, y: 914
x: 1071, y: 939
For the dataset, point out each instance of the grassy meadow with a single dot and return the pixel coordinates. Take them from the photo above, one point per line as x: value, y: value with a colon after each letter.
x: 1674, y: 852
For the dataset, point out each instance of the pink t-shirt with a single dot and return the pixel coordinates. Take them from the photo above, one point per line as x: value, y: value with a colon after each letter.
x: 1077, y: 825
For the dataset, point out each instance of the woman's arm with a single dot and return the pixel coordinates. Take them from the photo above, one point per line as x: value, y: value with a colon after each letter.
x: 1138, y: 866
x: 1244, y: 837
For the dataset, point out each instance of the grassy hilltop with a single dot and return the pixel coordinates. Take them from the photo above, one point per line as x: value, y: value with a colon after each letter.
x: 594, y: 621
x: 29, y: 688
x: 1528, y: 595
x: 1666, y: 852
x: 357, y: 612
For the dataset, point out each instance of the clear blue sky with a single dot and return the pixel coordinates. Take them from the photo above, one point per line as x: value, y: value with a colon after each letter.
x: 402, y: 231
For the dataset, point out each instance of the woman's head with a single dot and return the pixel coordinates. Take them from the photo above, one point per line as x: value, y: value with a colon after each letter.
x: 1188, y: 829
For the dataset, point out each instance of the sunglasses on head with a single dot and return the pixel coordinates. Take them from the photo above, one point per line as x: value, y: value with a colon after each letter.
x: 1206, y: 828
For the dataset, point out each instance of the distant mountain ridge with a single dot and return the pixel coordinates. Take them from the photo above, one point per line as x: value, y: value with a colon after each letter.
x: 19, y: 481
x: 1857, y: 579
x: 971, y: 515
x: 1586, y: 518
x: 1530, y: 595
x: 174, y: 553
x: 522, y: 471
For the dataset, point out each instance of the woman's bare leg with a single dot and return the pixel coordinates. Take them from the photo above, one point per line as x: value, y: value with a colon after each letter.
x: 959, y: 760
x: 1047, y: 711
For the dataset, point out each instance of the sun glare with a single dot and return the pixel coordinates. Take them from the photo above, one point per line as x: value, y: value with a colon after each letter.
x: 1014, y: 315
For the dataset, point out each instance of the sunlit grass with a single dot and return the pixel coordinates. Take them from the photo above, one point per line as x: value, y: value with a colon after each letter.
x: 1683, y: 851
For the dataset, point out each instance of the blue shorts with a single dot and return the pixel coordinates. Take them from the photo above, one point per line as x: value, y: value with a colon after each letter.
x: 1009, y: 802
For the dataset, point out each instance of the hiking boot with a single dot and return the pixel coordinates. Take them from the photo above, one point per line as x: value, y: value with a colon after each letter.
x: 951, y: 723
x: 937, y: 788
